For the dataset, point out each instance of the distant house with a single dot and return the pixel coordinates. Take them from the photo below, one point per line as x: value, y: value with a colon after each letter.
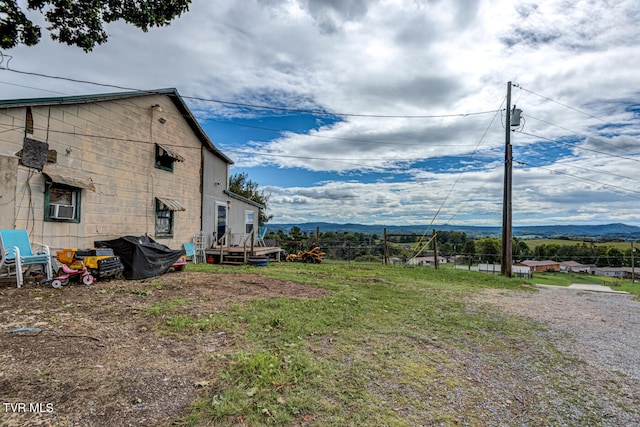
x: 540, y: 266
x: 426, y: 260
x: 617, y: 272
x: 78, y: 169
x: 574, y: 267
x: 516, y: 271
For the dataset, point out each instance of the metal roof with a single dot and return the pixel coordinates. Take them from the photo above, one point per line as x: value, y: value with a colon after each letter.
x: 171, y: 153
x: 63, y: 177
x: 244, y: 199
x: 170, y: 204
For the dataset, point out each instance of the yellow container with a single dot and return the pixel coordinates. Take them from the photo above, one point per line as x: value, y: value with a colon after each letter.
x: 66, y: 256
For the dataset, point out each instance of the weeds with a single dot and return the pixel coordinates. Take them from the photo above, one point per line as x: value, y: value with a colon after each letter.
x: 184, y: 323
x: 167, y: 306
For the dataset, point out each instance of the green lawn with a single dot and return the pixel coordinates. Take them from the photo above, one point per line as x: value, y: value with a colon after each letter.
x: 388, y: 345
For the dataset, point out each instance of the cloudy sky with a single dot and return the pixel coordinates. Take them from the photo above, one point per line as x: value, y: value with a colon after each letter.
x: 393, y: 111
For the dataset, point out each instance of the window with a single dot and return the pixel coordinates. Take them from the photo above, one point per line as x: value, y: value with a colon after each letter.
x: 165, y: 209
x: 221, y: 220
x: 29, y: 121
x: 166, y: 157
x: 62, y: 203
x: 164, y: 220
x: 248, y: 221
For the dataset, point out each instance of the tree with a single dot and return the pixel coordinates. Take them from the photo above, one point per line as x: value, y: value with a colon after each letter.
x: 240, y: 184
x: 81, y: 22
x: 520, y: 249
x: 489, y: 249
x: 616, y: 257
x: 469, y: 250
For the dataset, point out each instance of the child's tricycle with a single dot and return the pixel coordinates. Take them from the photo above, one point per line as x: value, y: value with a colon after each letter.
x: 66, y: 273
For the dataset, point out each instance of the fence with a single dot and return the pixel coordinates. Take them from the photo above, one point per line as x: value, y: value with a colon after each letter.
x: 516, y: 270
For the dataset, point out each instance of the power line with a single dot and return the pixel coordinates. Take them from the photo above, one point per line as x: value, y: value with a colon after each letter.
x: 578, y: 147
x: 564, y: 105
x: 256, y: 106
x: 248, y: 152
x: 579, y: 133
x: 32, y: 87
x: 333, y: 137
x: 340, y: 160
x: 459, y: 176
x: 627, y: 190
x: 592, y: 170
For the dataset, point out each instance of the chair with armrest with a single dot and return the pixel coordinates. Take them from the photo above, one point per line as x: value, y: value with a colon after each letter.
x: 17, y: 253
x: 260, y: 238
x: 190, y: 250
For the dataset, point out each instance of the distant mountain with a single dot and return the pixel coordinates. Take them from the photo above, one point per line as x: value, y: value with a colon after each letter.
x: 605, y: 231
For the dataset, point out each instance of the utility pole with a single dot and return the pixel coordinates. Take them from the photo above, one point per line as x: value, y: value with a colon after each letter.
x: 633, y: 267
x: 435, y: 250
x: 507, y: 232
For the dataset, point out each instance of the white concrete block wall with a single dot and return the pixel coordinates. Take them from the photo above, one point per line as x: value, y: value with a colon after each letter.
x: 113, y: 144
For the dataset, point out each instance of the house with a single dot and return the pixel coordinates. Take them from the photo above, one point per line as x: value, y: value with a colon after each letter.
x: 77, y: 169
x: 516, y: 270
x: 574, y: 267
x: 540, y: 266
x: 617, y: 272
x: 426, y: 260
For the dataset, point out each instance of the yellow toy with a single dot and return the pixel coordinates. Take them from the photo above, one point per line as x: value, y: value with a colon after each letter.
x: 102, y: 263
x: 313, y: 255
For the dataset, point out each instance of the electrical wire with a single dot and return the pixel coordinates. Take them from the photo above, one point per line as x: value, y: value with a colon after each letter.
x: 334, y: 137
x: 31, y: 87
x: 476, y: 189
x: 565, y: 105
x: 578, y: 147
x: 592, y: 170
x: 626, y: 190
x: 255, y: 106
x: 247, y: 152
x: 580, y: 133
x: 318, y: 112
x: 459, y: 176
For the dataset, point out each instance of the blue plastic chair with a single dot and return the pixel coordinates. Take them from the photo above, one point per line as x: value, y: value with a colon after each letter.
x: 17, y: 254
x: 190, y: 250
x: 261, y: 234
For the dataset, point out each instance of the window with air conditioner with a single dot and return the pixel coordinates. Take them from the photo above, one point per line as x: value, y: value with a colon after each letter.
x: 62, y: 203
x: 57, y: 211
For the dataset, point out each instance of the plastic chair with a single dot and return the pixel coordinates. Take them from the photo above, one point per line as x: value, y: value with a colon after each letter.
x: 260, y: 238
x: 190, y: 249
x: 17, y: 253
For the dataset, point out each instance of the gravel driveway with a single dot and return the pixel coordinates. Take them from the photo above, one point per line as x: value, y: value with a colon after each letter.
x: 600, y: 329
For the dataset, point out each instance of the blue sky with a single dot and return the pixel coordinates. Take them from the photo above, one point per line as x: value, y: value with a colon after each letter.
x: 392, y: 111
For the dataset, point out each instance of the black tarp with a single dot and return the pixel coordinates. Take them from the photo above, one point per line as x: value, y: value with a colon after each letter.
x: 142, y: 256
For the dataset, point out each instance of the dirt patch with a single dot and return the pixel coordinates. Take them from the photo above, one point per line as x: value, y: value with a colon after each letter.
x: 95, y: 357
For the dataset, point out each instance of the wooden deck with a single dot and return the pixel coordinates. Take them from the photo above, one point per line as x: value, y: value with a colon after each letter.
x: 240, y: 255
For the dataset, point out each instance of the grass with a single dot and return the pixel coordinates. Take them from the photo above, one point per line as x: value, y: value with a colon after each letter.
x: 383, y: 348
x: 167, y: 306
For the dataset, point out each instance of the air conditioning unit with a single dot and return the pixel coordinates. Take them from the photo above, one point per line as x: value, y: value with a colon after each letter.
x: 61, y: 211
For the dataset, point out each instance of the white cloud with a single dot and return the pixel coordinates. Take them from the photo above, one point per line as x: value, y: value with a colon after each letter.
x: 400, y: 58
